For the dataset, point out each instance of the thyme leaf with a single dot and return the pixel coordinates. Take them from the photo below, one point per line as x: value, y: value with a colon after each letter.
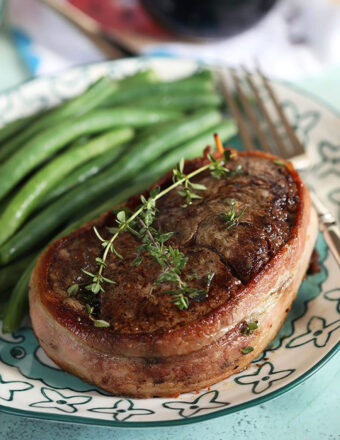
x: 251, y: 326
x: 247, y: 349
x: 279, y: 162
x: 187, y: 191
x: 73, y: 290
x: 99, y: 322
x: 231, y: 218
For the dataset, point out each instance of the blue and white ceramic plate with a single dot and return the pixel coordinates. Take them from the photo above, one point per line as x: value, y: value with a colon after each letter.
x: 32, y: 385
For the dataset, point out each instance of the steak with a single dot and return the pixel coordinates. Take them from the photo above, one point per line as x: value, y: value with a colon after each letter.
x: 250, y: 271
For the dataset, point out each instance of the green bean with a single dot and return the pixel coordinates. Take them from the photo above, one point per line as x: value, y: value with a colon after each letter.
x: 13, y: 127
x: 5, y: 151
x: 18, y: 303
x: 8, y: 144
x: 81, y: 174
x: 141, y: 77
x: 37, y: 186
x: 51, y: 140
x: 128, y: 188
x: 82, y: 140
x: 9, y: 274
x: 139, y: 156
x: 184, y: 101
x: 15, y: 314
x: 4, y: 202
x: 203, y: 74
x: 131, y: 94
x: 3, y: 310
x: 153, y: 129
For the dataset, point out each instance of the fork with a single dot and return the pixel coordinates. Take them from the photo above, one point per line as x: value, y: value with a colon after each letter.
x: 257, y: 127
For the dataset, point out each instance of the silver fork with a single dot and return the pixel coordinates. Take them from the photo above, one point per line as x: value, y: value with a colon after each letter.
x: 244, y: 94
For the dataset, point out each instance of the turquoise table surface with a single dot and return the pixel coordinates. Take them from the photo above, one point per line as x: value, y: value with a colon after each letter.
x: 310, y: 411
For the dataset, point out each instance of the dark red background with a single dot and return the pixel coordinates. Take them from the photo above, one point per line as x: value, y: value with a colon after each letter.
x: 121, y: 15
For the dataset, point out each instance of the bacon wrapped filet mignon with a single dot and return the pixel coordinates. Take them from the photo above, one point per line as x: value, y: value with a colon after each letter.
x: 250, y: 267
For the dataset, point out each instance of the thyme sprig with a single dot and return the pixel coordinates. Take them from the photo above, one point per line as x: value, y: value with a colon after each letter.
x: 231, y: 218
x: 172, y: 261
x: 188, y: 186
x: 218, y: 169
x: 139, y: 223
x: 147, y: 209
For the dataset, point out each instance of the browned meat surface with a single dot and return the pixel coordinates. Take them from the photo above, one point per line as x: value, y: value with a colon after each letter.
x: 254, y: 269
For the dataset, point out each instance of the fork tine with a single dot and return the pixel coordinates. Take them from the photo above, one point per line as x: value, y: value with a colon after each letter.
x: 298, y: 147
x: 273, y: 130
x: 244, y: 133
x: 250, y: 113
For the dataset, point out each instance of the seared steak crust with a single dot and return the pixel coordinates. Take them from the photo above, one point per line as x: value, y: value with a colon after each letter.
x: 151, y: 347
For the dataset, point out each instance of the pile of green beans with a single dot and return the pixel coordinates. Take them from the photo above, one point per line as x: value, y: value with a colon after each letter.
x: 29, y: 195
x: 66, y: 166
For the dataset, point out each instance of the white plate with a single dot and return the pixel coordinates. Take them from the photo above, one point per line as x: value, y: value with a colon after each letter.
x: 31, y: 385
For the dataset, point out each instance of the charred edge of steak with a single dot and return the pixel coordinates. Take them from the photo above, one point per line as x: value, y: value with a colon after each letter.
x: 314, y: 264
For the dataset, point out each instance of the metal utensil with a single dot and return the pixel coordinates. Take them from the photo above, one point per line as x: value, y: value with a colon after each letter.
x: 257, y: 127
x: 105, y: 42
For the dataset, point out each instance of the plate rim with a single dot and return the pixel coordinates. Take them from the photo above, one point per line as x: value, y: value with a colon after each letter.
x: 184, y: 421
x: 295, y: 87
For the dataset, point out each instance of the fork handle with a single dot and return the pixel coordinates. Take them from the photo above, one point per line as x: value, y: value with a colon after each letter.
x: 331, y: 234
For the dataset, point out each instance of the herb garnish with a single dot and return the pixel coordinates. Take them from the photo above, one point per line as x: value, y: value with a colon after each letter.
x: 171, y: 260
x: 147, y: 210
x: 247, y: 349
x: 99, y: 322
x: 96, y: 322
x: 251, y: 326
x: 231, y: 218
x: 139, y: 223
x: 188, y: 186
x: 279, y: 162
x: 210, y: 277
x: 192, y: 276
x: 75, y: 291
x: 218, y: 170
